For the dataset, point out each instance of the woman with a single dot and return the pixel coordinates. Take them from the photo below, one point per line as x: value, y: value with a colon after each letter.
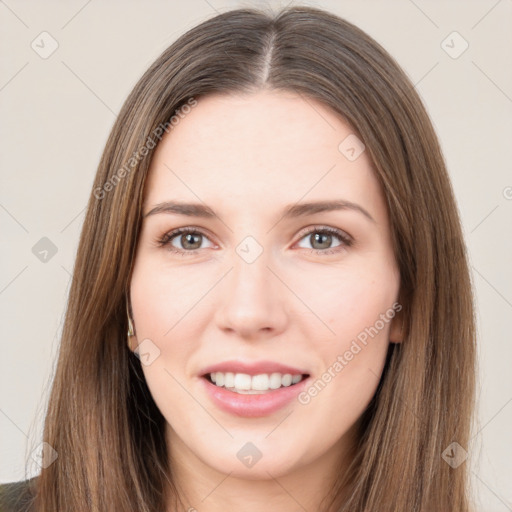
x: 249, y: 370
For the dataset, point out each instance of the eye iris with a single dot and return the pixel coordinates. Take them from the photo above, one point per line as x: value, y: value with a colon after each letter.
x: 185, y: 238
x: 327, y: 241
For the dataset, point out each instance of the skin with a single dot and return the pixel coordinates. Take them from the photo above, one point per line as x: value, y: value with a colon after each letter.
x: 247, y: 157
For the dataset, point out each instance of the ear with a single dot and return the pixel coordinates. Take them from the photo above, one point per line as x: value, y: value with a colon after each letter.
x: 132, y: 339
x: 397, y: 328
x: 395, y: 332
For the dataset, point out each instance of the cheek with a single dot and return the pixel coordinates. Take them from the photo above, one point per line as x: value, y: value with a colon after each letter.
x: 357, y: 308
x: 161, y: 305
x: 347, y: 301
x: 161, y: 297
x: 352, y: 365
x: 159, y: 313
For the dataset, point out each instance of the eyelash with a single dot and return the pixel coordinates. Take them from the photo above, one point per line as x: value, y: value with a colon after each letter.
x: 347, y: 241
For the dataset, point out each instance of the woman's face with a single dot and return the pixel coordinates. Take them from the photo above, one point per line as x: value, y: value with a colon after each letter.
x: 263, y: 291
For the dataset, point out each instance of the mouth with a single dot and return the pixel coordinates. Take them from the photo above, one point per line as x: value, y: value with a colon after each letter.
x: 246, y: 384
x: 253, y: 389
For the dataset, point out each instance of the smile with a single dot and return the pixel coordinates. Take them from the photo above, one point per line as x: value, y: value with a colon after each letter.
x: 244, y: 383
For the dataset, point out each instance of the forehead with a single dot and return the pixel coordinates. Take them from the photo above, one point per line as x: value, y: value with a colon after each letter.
x: 259, y: 147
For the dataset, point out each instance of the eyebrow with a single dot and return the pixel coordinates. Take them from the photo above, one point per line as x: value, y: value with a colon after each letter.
x: 290, y: 211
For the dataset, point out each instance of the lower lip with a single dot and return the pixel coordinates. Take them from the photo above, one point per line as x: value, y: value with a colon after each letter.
x: 253, y: 406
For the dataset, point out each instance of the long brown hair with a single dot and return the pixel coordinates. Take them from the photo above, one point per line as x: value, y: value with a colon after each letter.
x: 101, y: 419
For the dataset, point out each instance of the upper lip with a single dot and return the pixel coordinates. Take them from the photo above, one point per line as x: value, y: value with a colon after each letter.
x: 252, y: 368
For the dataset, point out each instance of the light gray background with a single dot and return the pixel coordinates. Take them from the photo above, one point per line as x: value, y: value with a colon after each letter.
x: 55, y: 116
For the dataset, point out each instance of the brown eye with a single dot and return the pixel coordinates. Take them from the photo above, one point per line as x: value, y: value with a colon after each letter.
x: 183, y: 240
x: 321, y: 240
x: 324, y: 240
x: 191, y: 241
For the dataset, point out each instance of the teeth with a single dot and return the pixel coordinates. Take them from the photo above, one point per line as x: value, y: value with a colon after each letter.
x: 229, y: 380
x: 243, y: 381
x: 275, y: 381
x: 260, y: 382
x: 247, y: 384
x: 296, y: 378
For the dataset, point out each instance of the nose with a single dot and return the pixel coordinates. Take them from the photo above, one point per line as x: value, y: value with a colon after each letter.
x: 252, y: 300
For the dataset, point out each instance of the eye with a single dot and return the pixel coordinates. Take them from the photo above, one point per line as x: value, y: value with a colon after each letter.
x: 322, y: 238
x: 190, y: 240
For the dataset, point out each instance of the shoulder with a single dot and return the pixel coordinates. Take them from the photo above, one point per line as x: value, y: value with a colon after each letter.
x: 18, y: 496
